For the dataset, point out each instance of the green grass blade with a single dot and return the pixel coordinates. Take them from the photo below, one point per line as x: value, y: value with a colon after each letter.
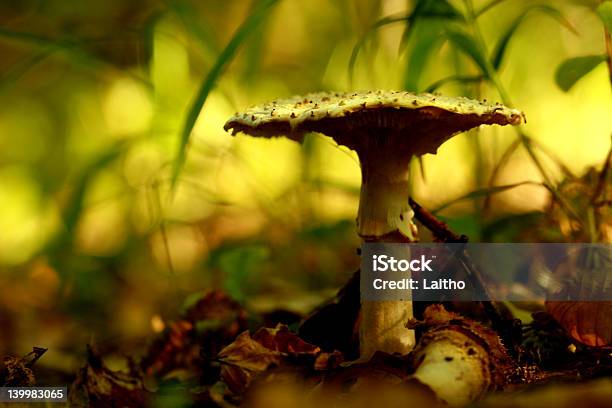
x: 504, y: 40
x: 18, y: 70
x: 72, y: 212
x: 488, y: 7
x: 571, y: 70
x: 428, y: 39
x: 359, y: 45
x: 464, y: 79
x: 35, y: 39
x: 426, y: 25
x: 469, y: 46
x: 260, y: 12
x: 430, y: 9
x: 605, y: 12
x: 567, y: 173
x: 199, y: 30
x: 485, y: 192
x: 422, y: 169
x: 75, y: 49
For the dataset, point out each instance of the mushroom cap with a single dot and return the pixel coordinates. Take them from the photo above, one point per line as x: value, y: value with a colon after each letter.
x: 360, y: 119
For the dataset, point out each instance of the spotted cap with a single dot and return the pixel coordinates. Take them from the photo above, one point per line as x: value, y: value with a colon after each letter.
x: 357, y: 119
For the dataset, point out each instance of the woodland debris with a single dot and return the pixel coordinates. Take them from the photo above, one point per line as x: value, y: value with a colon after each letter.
x: 248, y: 356
x: 17, y: 371
x: 459, y: 359
x: 97, y: 386
x: 203, y: 330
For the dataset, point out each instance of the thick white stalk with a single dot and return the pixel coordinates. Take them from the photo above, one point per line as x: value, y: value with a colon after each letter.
x: 385, y: 215
x: 383, y: 202
x: 383, y: 327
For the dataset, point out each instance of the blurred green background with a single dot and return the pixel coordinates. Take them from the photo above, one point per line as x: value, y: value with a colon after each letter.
x: 98, y: 244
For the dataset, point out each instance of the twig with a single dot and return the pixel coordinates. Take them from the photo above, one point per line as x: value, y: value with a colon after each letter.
x: 33, y: 356
x: 507, y: 329
x: 439, y: 229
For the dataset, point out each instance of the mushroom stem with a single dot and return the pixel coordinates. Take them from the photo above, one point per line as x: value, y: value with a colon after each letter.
x: 383, y: 203
x: 385, y: 216
x: 383, y: 327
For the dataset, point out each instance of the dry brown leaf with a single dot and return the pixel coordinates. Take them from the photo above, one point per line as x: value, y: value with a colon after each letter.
x: 587, y: 322
x: 97, y: 386
x: 249, y: 356
x: 17, y: 371
x: 204, y: 329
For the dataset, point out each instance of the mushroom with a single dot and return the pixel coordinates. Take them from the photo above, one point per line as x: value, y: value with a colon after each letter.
x: 386, y: 129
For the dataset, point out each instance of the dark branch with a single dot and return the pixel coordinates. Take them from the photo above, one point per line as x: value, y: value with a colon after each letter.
x: 509, y: 331
x: 439, y: 229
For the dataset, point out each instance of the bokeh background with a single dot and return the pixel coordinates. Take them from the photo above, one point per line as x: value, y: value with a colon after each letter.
x: 98, y: 244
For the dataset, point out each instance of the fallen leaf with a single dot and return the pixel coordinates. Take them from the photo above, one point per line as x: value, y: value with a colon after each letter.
x: 205, y: 327
x: 17, y: 371
x: 249, y: 356
x: 97, y: 386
